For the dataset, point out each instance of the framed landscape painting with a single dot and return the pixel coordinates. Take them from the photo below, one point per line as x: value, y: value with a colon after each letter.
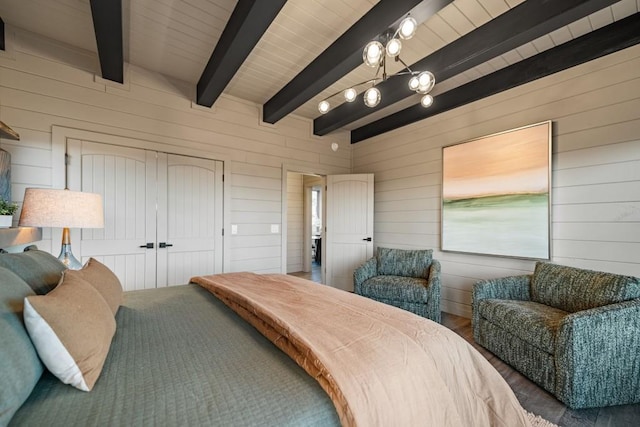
x: 496, y: 194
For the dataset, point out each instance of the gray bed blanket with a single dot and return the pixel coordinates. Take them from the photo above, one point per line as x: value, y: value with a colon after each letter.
x: 180, y: 357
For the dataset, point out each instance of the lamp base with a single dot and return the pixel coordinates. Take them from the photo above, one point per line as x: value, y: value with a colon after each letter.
x: 67, y: 258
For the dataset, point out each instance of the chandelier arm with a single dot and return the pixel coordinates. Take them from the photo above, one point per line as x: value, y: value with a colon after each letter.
x: 384, y: 68
x: 373, y: 80
x: 404, y: 73
x: 378, y: 72
x: 405, y: 66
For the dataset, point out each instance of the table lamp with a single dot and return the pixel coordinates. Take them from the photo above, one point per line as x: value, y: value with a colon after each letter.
x: 44, y: 207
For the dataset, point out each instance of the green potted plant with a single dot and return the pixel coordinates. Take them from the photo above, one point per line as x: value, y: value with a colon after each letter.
x: 7, y: 209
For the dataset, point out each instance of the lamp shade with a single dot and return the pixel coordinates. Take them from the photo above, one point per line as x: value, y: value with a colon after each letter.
x: 44, y: 207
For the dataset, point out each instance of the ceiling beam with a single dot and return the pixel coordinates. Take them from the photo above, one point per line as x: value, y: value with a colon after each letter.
x: 524, y: 23
x: 248, y: 22
x: 2, y: 46
x: 107, y: 24
x: 604, y: 41
x: 344, y: 54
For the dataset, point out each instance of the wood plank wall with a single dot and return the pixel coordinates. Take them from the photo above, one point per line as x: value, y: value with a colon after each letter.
x: 44, y: 83
x: 595, y: 109
x: 295, y: 222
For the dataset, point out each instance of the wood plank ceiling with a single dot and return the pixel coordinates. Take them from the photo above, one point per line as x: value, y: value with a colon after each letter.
x: 474, y: 47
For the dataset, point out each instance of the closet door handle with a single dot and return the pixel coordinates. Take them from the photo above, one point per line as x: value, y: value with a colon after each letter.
x: 147, y: 246
x: 368, y: 239
x: 164, y: 245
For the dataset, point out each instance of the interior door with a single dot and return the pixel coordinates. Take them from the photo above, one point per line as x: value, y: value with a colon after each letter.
x: 126, y: 179
x: 189, y: 218
x: 349, y: 227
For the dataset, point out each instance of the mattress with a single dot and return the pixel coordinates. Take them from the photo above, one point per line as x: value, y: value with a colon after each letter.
x: 181, y: 357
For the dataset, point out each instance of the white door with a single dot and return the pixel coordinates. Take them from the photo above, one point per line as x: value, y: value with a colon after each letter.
x: 163, y: 213
x: 126, y: 178
x: 190, y: 225
x: 349, y: 227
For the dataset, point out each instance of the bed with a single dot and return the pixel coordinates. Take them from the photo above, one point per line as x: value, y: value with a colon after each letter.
x: 182, y: 356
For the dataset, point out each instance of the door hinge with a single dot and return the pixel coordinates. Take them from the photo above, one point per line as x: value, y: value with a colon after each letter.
x: 66, y: 159
x: 223, y: 231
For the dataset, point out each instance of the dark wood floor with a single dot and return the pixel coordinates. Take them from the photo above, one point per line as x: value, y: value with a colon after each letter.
x: 532, y: 398
x: 535, y: 399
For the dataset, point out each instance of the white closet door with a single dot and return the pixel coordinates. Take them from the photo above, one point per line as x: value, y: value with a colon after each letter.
x: 126, y: 178
x: 349, y: 220
x: 189, y: 218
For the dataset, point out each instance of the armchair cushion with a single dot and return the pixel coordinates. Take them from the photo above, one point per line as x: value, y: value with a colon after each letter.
x: 534, y: 323
x: 396, y: 288
x: 574, y: 289
x: 404, y: 262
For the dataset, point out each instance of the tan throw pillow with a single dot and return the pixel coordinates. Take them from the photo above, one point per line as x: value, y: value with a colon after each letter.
x: 71, y: 328
x: 105, y: 282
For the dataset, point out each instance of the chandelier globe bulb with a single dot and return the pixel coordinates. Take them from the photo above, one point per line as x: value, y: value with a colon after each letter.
x: 324, y: 106
x: 350, y: 94
x: 426, y: 81
x: 372, y: 97
x: 414, y: 83
x: 394, y: 46
x: 408, y: 27
x: 426, y: 101
x: 373, y: 53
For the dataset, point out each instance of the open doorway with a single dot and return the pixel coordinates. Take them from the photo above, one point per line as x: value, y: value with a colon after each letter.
x: 305, y: 225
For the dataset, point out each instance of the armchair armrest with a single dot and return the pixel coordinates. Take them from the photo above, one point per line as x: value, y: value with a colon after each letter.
x: 365, y: 272
x: 433, y: 281
x: 511, y: 287
x: 598, y: 356
x: 433, y: 287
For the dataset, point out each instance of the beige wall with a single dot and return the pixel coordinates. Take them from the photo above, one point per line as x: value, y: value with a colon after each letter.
x: 295, y: 222
x: 45, y: 84
x: 596, y: 155
x: 595, y: 109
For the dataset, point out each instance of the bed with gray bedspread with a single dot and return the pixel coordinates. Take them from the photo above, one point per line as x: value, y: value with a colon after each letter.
x: 181, y: 357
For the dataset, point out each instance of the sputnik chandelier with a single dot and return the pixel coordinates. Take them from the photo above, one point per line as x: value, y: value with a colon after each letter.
x: 375, y: 55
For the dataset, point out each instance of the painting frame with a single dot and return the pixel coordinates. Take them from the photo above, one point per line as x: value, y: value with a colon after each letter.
x: 496, y: 194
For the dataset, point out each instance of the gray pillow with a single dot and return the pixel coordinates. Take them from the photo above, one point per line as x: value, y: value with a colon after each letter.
x: 20, y: 367
x: 41, y: 270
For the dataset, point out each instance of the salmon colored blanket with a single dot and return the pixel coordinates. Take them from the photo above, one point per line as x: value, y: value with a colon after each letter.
x: 380, y: 365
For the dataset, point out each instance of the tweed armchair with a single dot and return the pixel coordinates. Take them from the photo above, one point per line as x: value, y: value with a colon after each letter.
x: 574, y: 332
x: 408, y: 279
